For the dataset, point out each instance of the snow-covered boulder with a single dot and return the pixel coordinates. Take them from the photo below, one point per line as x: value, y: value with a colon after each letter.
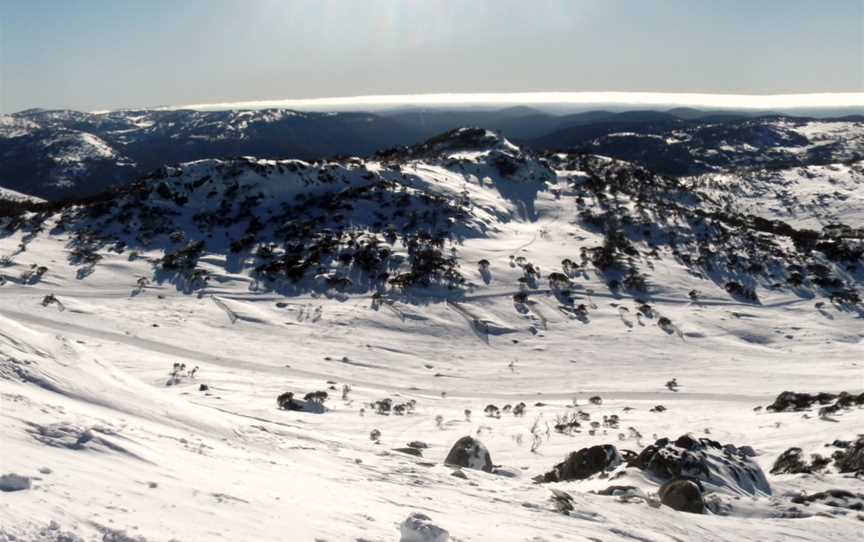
x: 419, y: 528
x: 469, y: 453
x: 718, y: 467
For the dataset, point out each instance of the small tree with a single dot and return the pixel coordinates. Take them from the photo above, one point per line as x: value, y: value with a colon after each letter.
x: 519, y: 409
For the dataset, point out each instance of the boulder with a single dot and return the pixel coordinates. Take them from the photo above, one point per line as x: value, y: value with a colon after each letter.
x: 419, y: 528
x: 14, y: 482
x: 682, y: 495
x: 704, y: 460
x: 469, y: 453
x: 584, y: 463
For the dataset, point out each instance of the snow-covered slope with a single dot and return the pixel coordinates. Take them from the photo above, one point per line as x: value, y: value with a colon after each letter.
x: 805, y: 197
x: 432, y: 292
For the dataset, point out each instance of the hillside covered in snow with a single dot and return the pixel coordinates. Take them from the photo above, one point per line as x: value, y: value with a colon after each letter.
x: 462, y: 339
x: 64, y: 154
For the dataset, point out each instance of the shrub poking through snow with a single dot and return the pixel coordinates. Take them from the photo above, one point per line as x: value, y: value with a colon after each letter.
x: 492, y: 411
x: 739, y: 291
x: 383, y: 406
x: 792, y: 461
x: 311, y: 402
x: 179, y: 371
x: 851, y: 460
x: 567, y: 423
x: 316, y: 397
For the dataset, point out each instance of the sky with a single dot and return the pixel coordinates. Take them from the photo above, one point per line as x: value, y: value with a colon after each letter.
x: 108, y: 54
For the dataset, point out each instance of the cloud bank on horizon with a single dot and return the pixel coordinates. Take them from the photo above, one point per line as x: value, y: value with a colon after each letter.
x: 586, y: 99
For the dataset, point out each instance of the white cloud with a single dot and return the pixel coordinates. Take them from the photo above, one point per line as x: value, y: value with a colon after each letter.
x: 736, y: 101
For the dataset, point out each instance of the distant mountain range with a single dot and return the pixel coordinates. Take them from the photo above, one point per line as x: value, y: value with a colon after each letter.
x: 60, y: 154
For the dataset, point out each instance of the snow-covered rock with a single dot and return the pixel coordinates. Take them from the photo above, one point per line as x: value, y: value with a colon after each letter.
x: 470, y: 453
x: 419, y: 527
x: 718, y: 467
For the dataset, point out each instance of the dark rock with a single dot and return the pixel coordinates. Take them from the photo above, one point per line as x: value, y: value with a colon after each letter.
x: 203, y: 387
x: 14, y: 482
x: 683, y: 495
x: 584, y: 463
x: 420, y: 445
x: 470, y: 453
x: 459, y: 474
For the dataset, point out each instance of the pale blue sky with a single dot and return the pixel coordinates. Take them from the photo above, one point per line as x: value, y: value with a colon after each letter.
x: 100, y: 54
